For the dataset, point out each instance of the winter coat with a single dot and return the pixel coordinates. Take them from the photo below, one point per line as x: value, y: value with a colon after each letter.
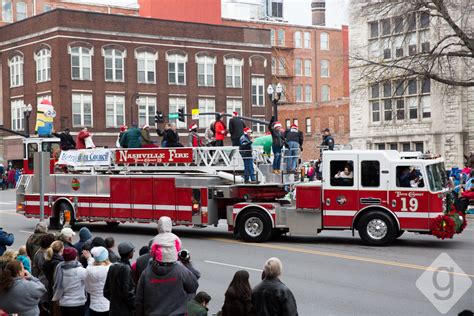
x: 49, y: 267
x: 272, y: 297
x: 95, y: 281
x: 23, y: 297
x: 140, y: 265
x: 6, y: 239
x: 119, y: 288
x: 146, y: 138
x: 33, y: 243
x: 66, y: 141
x: 165, y: 238
x: 73, y: 284
x: 220, y: 129
x: 328, y: 141
x: 194, y: 140
x: 25, y: 261
x: 236, y: 305
x: 84, y: 235
x: 171, y: 138
x: 236, y: 128
x: 37, y: 270
x: 132, y: 138
x: 163, y: 289
x: 278, y: 139
x: 196, y: 309
x: 294, y: 135
x: 245, y: 147
x: 113, y: 257
x: 80, y: 139
x: 209, y: 137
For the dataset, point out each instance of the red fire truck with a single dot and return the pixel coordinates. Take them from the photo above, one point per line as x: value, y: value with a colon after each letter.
x: 375, y: 192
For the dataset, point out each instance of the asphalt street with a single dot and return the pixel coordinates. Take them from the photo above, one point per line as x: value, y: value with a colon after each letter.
x: 331, y: 274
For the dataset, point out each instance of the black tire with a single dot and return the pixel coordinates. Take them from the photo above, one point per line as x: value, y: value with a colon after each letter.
x: 254, y: 226
x: 112, y: 225
x: 377, y: 228
x: 400, y: 233
x: 60, y: 217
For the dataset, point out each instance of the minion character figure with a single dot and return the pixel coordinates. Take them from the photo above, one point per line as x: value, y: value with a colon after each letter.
x: 44, y: 118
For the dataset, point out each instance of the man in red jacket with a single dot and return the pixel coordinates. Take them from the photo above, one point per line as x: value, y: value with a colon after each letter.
x: 220, y: 130
x: 81, y: 138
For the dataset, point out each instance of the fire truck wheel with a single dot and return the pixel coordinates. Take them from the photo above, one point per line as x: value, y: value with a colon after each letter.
x: 376, y: 228
x: 400, y: 233
x: 112, y: 224
x: 255, y: 227
x: 63, y: 209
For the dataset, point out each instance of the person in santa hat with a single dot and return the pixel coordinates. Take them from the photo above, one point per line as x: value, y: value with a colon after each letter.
x: 294, y: 138
x: 220, y: 129
x: 278, y: 141
x: 122, y: 131
x: 236, y: 128
x: 193, y: 138
x: 147, y: 142
x: 245, y: 149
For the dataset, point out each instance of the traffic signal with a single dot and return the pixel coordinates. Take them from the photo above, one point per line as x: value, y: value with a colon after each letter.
x: 181, y: 115
x: 159, y: 118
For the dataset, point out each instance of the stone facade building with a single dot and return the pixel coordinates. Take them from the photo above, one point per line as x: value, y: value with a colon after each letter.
x: 410, y: 113
x: 104, y: 70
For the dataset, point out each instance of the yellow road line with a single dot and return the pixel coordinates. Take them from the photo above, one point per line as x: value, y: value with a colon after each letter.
x: 340, y: 256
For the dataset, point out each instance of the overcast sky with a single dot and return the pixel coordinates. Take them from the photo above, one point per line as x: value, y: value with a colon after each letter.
x: 295, y: 11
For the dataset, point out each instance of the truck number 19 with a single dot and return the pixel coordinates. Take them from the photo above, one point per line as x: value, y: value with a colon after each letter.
x: 413, y: 204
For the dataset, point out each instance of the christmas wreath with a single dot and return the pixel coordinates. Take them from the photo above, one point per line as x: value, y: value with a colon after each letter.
x: 443, y: 227
x: 459, y: 220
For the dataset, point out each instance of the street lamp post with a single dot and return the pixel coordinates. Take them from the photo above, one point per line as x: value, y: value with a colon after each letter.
x: 27, y: 112
x: 275, y: 98
x: 135, y: 100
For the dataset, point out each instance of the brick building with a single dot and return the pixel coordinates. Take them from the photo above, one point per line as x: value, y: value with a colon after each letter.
x: 311, y: 63
x: 17, y: 10
x: 95, y: 67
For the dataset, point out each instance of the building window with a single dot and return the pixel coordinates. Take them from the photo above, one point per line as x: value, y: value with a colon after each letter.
x: 258, y: 128
x: 114, y: 110
x: 307, y: 67
x: 307, y: 40
x: 298, y: 39
x: 205, y: 66
x: 21, y: 11
x: 418, y: 146
x: 258, y: 94
x: 375, y: 108
x: 411, y: 22
x: 307, y: 93
x: 386, y: 27
x: 324, y: 45
x: 277, y: 9
x: 325, y: 93
x: 146, y: 67
x: 308, y: 125
x: 176, y: 103
x: 7, y: 12
x: 380, y: 146
x: 424, y: 20
x: 400, y: 108
x: 374, y: 29
x: 324, y: 68
x: 298, y: 67
x: 146, y: 110
x: 287, y: 123
x: 295, y: 121
x: 233, y: 72
x: 43, y: 65
x: 81, y: 63
x: 16, y: 71
x: 81, y: 110
x: 17, y: 116
x: 281, y: 37
x: 233, y: 105
x: 206, y: 105
x: 299, y: 93
x: 114, y: 63
x: 282, y: 66
x: 177, y: 69
x: 47, y: 8
x: 398, y: 24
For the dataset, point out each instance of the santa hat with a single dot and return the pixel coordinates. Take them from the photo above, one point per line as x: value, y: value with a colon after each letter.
x: 193, y: 126
x: 235, y: 113
x: 123, y: 128
x: 247, y: 130
x: 276, y: 124
x: 294, y: 126
x: 146, y: 126
x: 45, y: 102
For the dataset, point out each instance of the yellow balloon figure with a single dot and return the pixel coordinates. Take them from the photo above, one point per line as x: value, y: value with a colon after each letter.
x: 44, y: 118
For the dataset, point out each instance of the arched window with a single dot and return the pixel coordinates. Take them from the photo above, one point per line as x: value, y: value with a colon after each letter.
x: 324, y: 41
x: 324, y: 68
x: 177, y: 68
x: 233, y: 72
x: 81, y: 62
x: 21, y: 12
x: 297, y: 39
x: 325, y: 93
x: 146, y: 66
x: 205, y: 65
x: 16, y: 71
x: 114, y: 63
x: 307, y: 40
x: 43, y: 65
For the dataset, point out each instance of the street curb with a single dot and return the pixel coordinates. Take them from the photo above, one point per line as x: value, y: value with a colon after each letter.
x: 470, y: 216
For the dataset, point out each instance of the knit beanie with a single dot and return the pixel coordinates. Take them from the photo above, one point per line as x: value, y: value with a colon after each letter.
x: 100, y: 254
x: 84, y: 234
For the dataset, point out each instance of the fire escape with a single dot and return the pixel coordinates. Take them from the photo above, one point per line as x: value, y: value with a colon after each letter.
x: 283, y: 68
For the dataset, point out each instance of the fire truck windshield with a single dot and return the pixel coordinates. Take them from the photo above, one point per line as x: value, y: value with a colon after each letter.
x: 436, y: 176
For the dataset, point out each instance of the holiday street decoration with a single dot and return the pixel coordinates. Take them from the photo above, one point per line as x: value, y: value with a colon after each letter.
x: 44, y: 118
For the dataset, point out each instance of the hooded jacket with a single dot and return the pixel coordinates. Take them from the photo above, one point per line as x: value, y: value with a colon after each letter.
x: 23, y: 297
x: 272, y: 297
x: 95, y: 281
x: 80, y: 139
x: 33, y: 242
x: 84, y: 235
x: 146, y: 138
x: 49, y: 267
x: 294, y: 135
x: 132, y: 138
x: 119, y: 288
x: 166, y: 240
x: 163, y: 289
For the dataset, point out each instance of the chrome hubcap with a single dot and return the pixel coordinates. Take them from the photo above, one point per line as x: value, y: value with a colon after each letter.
x: 254, y: 226
x: 377, y: 229
x: 61, y: 218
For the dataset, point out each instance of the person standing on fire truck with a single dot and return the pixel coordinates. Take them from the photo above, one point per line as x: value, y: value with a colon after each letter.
x: 278, y: 141
x: 193, y: 137
x: 220, y: 130
x: 236, y: 128
x: 294, y: 138
x: 328, y: 140
x: 147, y: 142
x: 131, y: 138
x: 245, y: 149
